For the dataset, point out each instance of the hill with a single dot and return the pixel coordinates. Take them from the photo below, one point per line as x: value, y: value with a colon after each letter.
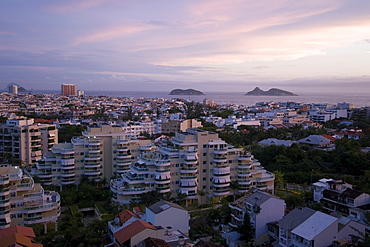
x: 271, y: 92
x: 185, y: 92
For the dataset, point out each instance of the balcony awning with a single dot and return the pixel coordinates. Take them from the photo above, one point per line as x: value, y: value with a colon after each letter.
x: 188, y: 183
x: 221, y: 180
x: 162, y: 176
x: 191, y: 157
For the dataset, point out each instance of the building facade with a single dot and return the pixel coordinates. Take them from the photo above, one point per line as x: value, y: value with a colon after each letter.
x: 22, y: 202
x: 68, y: 90
x: 25, y: 140
x: 195, y: 163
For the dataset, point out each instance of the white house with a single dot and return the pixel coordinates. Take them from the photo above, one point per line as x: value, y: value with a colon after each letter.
x: 168, y: 214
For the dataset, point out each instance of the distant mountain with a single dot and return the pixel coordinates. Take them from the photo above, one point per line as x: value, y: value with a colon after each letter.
x: 185, y: 92
x: 272, y: 92
x: 20, y: 88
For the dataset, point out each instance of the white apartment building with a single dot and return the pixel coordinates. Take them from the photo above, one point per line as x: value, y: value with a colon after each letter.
x: 23, y: 139
x: 22, y: 202
x: 103, y: 152
x: 192, y: 161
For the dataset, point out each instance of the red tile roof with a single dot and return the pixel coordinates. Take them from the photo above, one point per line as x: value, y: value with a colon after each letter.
x: 125, y: 215
x: 23, y: 230
x: 332, y: 139
x: 131, y: 230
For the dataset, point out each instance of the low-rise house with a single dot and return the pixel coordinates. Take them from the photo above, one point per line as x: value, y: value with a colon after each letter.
x: 163, y: 214
x: 320, y: 142
x: 339, y: 197
x: 18, y: 236
x: 318, y: 230
x: 276, y: 142
x: 262, y: 208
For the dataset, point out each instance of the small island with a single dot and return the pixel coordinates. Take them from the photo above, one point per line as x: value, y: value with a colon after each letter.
x: 272, y: 92
x: 186, y: 92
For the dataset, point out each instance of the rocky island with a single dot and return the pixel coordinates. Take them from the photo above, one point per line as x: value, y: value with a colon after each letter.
x: 185, y: 92
x: 271, y: 92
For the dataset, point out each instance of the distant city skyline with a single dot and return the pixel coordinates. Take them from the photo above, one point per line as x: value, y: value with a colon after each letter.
x: 208, y: 45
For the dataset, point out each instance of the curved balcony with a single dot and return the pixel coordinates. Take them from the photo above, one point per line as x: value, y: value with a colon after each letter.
x: 162, y: 178
x: 244, y: 181
x: 66, y: 162
x: 244, y: 165
x: 67, y: 174
x: 92, y: 157
x: 133, y: 178
x: 146, y: 148
x: 221, y: 171
x: 244, y: 174
x: 5, y: 202
x: 191, y: 162
x: 221, y: 191
x: 191, y: 192
x: 122, y: 142
x: 139, y: 170
x: 44, y: 175
x: 163, y: 188
x: 221, y: 151
x: 245, y: 157
x: 221, y: 182
x: 243, y: 188
x: 92, y: 165
x: 4, y: 179
x: 220, y: 159
x: 188, y: 183
x: 67, y: 151
x: 122, y: 149
x: 94, y: 143
x: 69, y: 167
x: 94, y: 151
x: 66, y: 182
x: 4, y: 192
x: 186, y: 172
x: 93, y: 173
x: 124, y: 156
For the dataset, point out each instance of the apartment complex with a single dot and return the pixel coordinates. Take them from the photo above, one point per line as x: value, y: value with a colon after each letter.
x: 104, y: 151
x: 23, y: 139
x: 69, y: 90
x: 192, y: 161
x: 174, y: 126
x: 22, y: 202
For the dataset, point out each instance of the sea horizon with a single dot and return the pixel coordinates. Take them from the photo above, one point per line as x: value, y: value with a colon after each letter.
x: 238, y: 98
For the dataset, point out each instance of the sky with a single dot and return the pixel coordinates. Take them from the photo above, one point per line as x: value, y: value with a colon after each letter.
x: 208, y: 45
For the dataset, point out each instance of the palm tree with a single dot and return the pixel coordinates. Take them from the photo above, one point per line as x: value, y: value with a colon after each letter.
x: 201, y: 193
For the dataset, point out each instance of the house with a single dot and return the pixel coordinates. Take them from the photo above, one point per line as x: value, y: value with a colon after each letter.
x: 163, y: 214
x: 339, y: 197
x: 137, y: 231
x: 18, y: 236
x: 274, y: 141
x: 320, y: 142
x: 319, y: 230
x: 123, y: 219
x: 290, y: 222
x: 262, y: 208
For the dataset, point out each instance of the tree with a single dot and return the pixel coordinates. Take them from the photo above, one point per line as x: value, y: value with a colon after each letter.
x: 246, y: 230
x: 193, y: 109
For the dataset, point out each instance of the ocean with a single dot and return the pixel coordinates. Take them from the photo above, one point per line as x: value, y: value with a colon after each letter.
x: 239, y: 98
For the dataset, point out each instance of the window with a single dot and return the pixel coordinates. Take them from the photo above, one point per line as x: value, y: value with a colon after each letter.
x: 204, y: 170
x: 204, y: 179
x: 204, y: 162
x: 204, y: 154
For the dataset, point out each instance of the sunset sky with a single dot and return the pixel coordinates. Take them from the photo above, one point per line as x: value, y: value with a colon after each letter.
x: 209, y: 45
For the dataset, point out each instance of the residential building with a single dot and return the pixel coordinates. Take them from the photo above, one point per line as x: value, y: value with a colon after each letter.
x: 104, y: 151
x: 23, y: 139
x: 18, y: 236
x: 276, y: 142
x: 163, y: 212
x: 68, y: 90
x: 179, y: 125
x: 319, y: 230
x: 290, y: 222
x: 339, y: 197
x: 22, y: 202
x: 320, y: 142
x: 13, y: 89
x: 262, y: 209
x: 192, y: 161
x: 133, y: 228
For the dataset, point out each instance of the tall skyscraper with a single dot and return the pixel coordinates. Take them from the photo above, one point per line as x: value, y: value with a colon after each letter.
x: 69, y: 90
